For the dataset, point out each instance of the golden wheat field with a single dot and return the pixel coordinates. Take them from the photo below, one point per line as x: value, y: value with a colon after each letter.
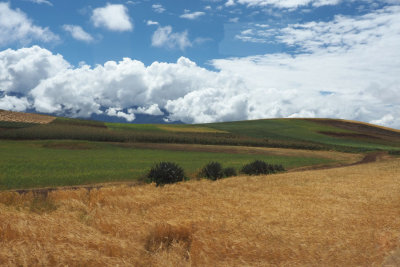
x: 347, y: 216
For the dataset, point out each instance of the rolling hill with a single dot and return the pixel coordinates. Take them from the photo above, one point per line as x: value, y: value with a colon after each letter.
x: 67, y: 194
x: 314, y: 134
x: 44, y: 151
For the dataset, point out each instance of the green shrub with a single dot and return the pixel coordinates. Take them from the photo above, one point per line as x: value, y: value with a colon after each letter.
x: 230, y: 171
x: 212, y: 171
x: 258, y: 167
x: 166, y: 173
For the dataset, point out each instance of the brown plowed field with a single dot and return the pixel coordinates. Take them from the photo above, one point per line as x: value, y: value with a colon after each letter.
x: 25, y: 117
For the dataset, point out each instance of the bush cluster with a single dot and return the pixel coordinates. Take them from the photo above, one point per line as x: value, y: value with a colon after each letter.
x: 214, y: 171
x: 394, y: 152
x: 166, y: 173
x: 258, y: 167
x: 229, y: 171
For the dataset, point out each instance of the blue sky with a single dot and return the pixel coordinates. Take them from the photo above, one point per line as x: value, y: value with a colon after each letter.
x: 202, y: 61
x: 213, y: 34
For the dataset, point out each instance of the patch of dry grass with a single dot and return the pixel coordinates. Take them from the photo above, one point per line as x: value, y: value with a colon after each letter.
x: 25, y: 117
x: 338, y: 217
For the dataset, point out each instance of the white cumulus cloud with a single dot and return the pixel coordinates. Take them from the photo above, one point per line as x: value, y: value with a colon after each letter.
x: 158, y: 8
x: 14, y: 103
x: 117, y: 112
x: 290, y: 4
x: 41, y: 2
x: 78, y: 33
x: 192, y: 15
x: 150, y: 22
x: 16, y: 27
x: 151, y: 110
x: 165, y: 37
x: 358, y: 79
x: 113, y: 17
x: 23, y: 69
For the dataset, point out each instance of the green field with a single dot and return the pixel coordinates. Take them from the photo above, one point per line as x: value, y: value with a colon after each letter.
x: 28, y: 164
x: 302, y: 130
x: 285, y: 133
x: 74, y: 152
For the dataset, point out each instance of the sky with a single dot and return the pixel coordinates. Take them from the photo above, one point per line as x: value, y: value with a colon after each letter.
x: 202, y: 61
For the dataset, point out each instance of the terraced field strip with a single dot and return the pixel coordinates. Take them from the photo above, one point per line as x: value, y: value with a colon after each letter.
x: 11, y: 116
x: 338, y: 157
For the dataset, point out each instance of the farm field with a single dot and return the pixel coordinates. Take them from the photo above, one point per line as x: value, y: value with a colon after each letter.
x: 45, y: 151
x: 30, y: 164
x: 310, y: 134
x: 344, y: 216
x: 72, y: 193
x: 328, y: 132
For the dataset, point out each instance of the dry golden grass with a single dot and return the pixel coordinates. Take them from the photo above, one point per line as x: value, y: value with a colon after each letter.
x: 25, y: 117
x: 339, y: 217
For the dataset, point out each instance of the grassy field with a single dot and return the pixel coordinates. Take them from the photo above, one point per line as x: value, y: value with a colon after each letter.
x: 338, y: 217
x: 287, y: 133
x: 27, y: 164
x: 304, y: 131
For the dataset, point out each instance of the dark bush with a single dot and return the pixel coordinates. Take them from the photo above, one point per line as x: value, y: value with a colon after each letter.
x: 279, y: 168
x: 166, y: 173
x: 228, y: 172
x: 394, y: 152
x: 258, y: 167
x: 212, y: 171
x: 255, y: 168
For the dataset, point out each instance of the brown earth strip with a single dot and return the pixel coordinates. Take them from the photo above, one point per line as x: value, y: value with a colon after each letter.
x: 362, y: 128
x: 339, y: 156
x: 347, y: 135
x: 25, y: 117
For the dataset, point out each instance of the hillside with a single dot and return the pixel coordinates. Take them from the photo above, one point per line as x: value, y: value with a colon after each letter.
x: 314, y: 134
x: 72, y: 193
x: 39, y: 151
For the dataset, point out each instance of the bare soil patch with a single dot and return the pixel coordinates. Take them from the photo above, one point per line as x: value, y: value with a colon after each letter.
x: 25, y: 117
x: 351, y: 135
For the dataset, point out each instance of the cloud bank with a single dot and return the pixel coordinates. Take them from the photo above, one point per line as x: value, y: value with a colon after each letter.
x: 291, y: 4
x: 16, y: 27
x: 346, y: 68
